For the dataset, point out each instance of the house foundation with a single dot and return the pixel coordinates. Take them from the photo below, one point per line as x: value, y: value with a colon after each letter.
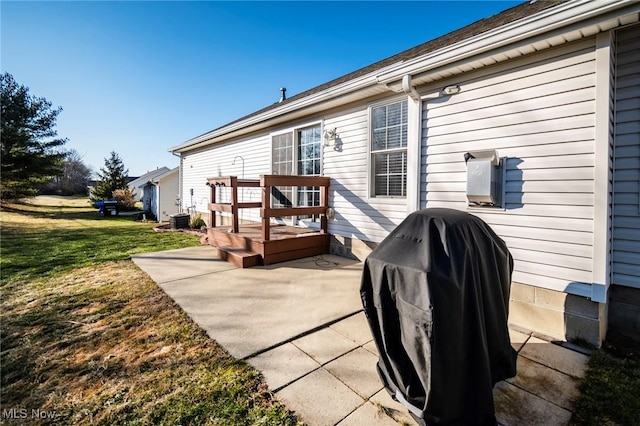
x: 351, y: 247
x: 550, y: 313
x: 558, y: 315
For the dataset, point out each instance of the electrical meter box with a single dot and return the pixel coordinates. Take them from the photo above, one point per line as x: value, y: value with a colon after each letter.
x: 484, y: 178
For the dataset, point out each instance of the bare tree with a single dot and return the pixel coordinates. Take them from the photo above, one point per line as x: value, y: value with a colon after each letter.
x: 74, y: 179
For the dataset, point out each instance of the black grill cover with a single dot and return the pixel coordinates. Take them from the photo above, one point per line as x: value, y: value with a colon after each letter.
x: 436, y: 296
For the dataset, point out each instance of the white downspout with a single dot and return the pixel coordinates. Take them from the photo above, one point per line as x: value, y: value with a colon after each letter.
x: 408, y: 88
x: 414, y: 115
x: 179, y: 181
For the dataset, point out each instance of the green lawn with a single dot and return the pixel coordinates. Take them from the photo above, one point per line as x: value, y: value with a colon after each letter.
x: 39, y: 240
x: 89, y: 338
x: 610, y: 391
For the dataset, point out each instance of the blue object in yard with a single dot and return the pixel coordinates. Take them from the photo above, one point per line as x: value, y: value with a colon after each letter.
x: 99, y: 205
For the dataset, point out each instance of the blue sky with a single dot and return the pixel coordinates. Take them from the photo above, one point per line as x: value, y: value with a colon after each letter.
x: 140, y: 77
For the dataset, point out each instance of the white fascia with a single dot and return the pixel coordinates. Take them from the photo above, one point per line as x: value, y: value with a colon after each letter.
x: 545, y: 21
x: 350, y: 86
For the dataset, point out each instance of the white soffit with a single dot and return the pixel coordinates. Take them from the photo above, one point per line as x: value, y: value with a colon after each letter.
x: 545, y: 29
x: 519, y: 49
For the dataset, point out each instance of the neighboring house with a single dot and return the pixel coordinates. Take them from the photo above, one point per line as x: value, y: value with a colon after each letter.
x: 160, y: 195
x: 134, y: 185
x: 551, y: 88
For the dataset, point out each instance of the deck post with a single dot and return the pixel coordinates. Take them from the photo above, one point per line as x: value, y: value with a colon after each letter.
x: 266, y: 202
x: 212, y: 213
x: 234, y: 203
x: 324, y: 199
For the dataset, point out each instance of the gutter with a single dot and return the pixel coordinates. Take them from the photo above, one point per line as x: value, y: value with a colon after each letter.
x: 548, y: 20
x: 555, y: 18
x: 342, y: 89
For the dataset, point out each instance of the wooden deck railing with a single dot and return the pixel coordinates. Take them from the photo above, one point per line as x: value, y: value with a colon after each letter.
x: 266, y: 183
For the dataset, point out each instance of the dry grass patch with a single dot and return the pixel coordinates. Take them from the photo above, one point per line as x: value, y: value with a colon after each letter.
x: 104, y: 345
x: 88, y: 338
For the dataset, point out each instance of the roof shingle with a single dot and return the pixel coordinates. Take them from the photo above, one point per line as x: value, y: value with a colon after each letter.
x: 510, y: 15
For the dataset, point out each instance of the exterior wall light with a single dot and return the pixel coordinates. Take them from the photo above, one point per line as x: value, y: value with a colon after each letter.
x: 329, y: 136
x: 452, y: 89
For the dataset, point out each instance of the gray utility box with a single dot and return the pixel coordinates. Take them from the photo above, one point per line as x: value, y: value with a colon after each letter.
x: 484, y: 178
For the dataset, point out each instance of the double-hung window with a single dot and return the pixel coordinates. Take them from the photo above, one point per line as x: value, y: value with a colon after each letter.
x: 389, y: 149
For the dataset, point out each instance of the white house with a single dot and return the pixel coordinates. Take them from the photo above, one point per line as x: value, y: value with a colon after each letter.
x: 551, y: 89
x: 135, y: 184
x: 160, y: 195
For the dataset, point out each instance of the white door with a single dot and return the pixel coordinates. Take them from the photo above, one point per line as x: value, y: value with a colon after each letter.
x: 309, y: 144
x: 297, y: 153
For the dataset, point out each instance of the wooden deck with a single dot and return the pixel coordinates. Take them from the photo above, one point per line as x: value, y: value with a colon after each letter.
x: 246, y: 247
x: 265, y: 243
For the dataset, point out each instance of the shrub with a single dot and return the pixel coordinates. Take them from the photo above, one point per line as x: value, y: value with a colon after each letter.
x: 125, y: 197
x: 197, y: 222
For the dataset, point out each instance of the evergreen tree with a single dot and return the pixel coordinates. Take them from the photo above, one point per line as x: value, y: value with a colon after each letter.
x: 29, y: 149
x: 111, y: 177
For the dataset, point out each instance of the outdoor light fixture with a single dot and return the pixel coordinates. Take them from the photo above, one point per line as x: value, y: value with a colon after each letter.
x: 452, y: 89
x: 329, y: 135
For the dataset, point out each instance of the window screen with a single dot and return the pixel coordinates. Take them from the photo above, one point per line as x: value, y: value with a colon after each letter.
x: 389, y: 149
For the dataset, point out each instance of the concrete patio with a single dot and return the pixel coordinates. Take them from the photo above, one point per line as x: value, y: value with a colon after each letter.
x: 301, y: 324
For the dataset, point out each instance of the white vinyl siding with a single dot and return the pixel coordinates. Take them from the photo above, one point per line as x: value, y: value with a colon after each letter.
x: 346, y: 162
x: 538, y: 112
x: 252, y: 159
x: 356, y: 214
x: 626, y: 191
x: 167, y: 188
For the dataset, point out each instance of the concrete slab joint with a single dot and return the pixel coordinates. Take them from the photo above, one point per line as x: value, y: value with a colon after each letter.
x: 313, y: 345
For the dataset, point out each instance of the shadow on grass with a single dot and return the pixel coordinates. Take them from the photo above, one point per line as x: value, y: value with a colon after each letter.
x: 41, y: 211
x: 51, y: 325
x: 48, y: 206
x: 105, y: 345
x: 610, y: 389
x: 36, y: 252
x: 117, y: 350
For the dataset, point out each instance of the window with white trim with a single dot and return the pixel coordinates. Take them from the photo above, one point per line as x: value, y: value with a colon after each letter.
x: 309, y: 159
x: 389, y: 149
x: 297, y: 152
x: 282, y: 164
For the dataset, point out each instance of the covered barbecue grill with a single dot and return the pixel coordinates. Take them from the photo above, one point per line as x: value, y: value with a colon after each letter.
x: 436, y: 295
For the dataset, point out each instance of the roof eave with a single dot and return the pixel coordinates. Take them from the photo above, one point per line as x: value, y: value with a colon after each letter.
x: 333, y: 92
x: 541, y: 23
x: 554, y: 18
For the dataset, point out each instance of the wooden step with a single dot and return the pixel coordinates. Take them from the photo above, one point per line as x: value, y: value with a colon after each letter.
x: 239, y: 257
